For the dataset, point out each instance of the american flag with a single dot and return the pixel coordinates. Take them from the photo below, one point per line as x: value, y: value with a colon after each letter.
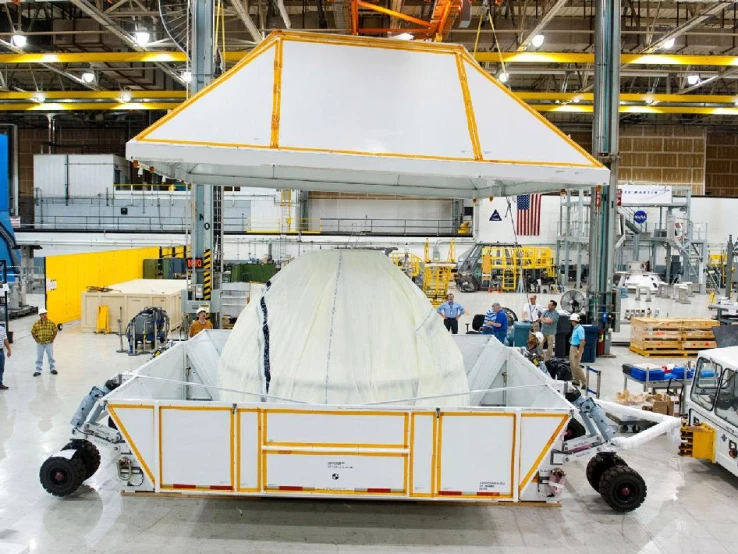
x: 529, y: 214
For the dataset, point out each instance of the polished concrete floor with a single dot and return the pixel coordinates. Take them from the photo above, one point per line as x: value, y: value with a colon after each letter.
x: 692, y: 507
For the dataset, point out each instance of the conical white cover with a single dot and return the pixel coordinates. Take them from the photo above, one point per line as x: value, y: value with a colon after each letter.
x: 344, y: 327
x: 356, y: 114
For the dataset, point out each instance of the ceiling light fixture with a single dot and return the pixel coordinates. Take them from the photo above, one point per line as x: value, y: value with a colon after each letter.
x: 576, y: 100
x: 142, y: 37
x: 404, y: 36
x: 18, y: 39
x: 88, y: 76
x: 503, y: 76
x: 537, y: 41
x: 693, y: 79
x: 39, y: 97
x: 187, y: 76
x: 125, y: 96
x: 669, y: 44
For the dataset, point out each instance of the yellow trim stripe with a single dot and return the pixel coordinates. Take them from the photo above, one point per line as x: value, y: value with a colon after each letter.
x: 546, y: 448
x: 256, y: 52
x: 512, y: 455
x: 471, y: 120
x: 543, y: 120
x: 161, y: 448
x: 122, y: 428
x: 360, y: 153
x: 277, y: 94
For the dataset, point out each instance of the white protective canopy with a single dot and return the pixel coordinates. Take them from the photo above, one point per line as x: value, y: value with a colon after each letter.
x: 355, y: 114
x: 342, y: 327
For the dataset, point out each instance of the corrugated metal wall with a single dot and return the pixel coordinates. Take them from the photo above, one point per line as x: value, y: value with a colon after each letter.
x: 86, y: 175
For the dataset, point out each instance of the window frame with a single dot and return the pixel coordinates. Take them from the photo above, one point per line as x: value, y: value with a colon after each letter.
x: 718, y: 370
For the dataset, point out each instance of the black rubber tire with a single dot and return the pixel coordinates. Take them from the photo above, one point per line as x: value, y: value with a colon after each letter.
x: 60, y: 476
x: 598, y: 465
x: 623, y: 488
x: 88, y: 452
x: 574, y: 430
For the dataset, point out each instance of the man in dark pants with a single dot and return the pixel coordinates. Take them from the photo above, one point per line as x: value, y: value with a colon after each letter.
x: 451, y: 312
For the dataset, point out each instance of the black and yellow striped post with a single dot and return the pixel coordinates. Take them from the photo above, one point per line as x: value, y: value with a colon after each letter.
x: 207, y: 276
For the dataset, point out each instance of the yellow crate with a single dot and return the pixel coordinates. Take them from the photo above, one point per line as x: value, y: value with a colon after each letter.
x: 698, y: 441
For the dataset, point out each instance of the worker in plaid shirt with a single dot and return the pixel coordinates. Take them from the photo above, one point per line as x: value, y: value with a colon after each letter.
x: 44, y: 332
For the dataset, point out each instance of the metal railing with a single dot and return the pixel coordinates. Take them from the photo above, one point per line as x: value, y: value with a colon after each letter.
x: 247, y: 225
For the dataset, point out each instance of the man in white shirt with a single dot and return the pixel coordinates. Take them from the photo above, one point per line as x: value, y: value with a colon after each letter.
x: 4, y: 347
x: 532, y: 313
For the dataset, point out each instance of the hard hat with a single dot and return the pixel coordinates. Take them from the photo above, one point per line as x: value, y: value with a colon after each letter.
x: 42, y: 311
x: 539, y: 337
x: 201, y: 309
x: 574, y: 317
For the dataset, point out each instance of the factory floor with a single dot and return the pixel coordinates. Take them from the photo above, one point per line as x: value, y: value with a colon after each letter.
x: 692, y: 507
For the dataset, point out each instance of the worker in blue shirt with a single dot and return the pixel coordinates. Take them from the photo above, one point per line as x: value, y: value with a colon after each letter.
x: 451, y: 312
x: 495, y: 323
x: 577, y: 349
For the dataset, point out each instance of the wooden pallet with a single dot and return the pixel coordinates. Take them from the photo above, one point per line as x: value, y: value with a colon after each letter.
x: 675, y: 353
x: 656, y: 344
x: 651, y: 324
x: 696, y: 335
x: 699, y: 344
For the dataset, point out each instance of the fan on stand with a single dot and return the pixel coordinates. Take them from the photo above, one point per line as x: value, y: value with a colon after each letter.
x: 573, y: 302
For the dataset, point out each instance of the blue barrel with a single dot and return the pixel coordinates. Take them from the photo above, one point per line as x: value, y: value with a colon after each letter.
x: 521, y: 330
x: 591, y: 335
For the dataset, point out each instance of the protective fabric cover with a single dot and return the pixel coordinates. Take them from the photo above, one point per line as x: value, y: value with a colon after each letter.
x: 342, y: 327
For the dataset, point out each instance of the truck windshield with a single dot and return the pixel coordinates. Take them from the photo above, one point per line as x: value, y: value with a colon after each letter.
x: 705, y: 386
x: 727, y: 398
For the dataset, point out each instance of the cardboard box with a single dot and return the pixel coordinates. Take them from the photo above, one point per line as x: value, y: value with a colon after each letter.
x: 659, y: 404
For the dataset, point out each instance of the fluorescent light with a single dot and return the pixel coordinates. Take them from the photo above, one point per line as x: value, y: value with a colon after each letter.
x: 19, y: 40
x: 88, y: 76
x: 404, y: 36
x: 669, y: 44
x: 503, y: 76
x: 125, y: 96
x: 187, y: 76
x: 693, y: 79
x: 39, y: 97
x: 537, y: 41
x: 142, y: 37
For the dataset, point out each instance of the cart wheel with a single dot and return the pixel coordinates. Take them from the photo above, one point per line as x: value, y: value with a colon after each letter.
x: 623, y: 488
x: 61, y: 476
x: 88, y: 452
x: 599, y: 464
x: 574, y: 430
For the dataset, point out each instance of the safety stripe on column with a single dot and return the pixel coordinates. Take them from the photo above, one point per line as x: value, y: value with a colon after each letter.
x: 207, y: 282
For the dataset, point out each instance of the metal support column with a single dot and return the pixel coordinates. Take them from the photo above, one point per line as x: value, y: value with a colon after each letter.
x: 605, y: 137
x: 206, y: 212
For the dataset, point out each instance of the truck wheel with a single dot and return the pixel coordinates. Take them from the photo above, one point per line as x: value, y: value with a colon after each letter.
x: 598, y: 465
x: 61, y: 476
x: 574, y: 430
x: 623, y: 488
x: 88, y: 452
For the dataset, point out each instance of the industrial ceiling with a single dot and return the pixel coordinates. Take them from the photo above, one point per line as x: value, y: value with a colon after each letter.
x: 680, y: 61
